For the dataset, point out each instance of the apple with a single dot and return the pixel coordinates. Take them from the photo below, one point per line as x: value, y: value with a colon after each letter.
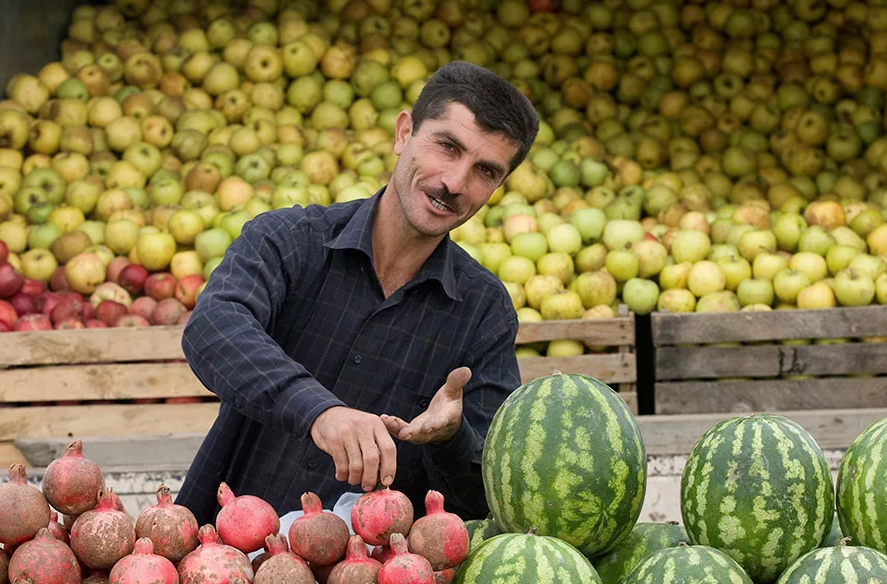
x: 723, y: 301
x: 767, y: 265
x: 755, y: 242
x: 11, y: 281
x: 131, y: 320
x: 558, y: 264
x: 676, y: 300
x: 24, y: 304
x: 4, y: 252
x: 881, y: 289
x: 94, y: 323
x: 539, y: 286
x: 816, y: 239
x: 33, y: 322
x: 816, y: 296
x: 641, y: 295
x: 755, y: 291
x: 167, y: 312
x: 689, y: 245
x: 516, y: 224
x: 67, y: 307
x: 143, y: 306
x: 160, y: 285
x: 211, y: 243
x: 85, y: 272
x: 839, y: 257
x: 38, y: 264
x: 814, y: 265
x: 562, y: 305
x: 877, y: 240
x: 33, y: 287
x: 186, y: 290
x: 133, y: 278
x: 652, y: 257
x: 530, y: 244
x: 735, y: 269
x: 674, y: 275
x: 590, y: 223
x: 8, y: 314
x: 116, y: 266
x: 622, y: 264
x: 622, y: 233
x: 185, y: 225
x: 591, y: 258
x: 121, y: 235
x: 596, y: 288
x: 868, y: 264
x: 854, y: 288
x: 155, y: 250
x: 564, y: 238
x: 108, y: 311
x: 788, y: 283
x: 110, y: 291
x: 705, y: 277
x: 47, y: 301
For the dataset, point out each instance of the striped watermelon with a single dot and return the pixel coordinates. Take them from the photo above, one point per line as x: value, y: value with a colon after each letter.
x: 759, y: 489
x: 643, y: 540
x: 564, y: 456
x: 514, y: 557
x: 862, y: 495
x: 840, y: 564
x: 688, y: 564
x: 480, y: 530
x: 835, y: 535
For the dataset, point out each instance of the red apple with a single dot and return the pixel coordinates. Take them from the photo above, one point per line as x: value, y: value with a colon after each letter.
x: 186, y: 290
x: 24, y: 304
x: 95, y: 323
x: 68, y: 307
x: 11, y: 281
x: 143, y: 306
x: 33, y: 322
x: 167, y: 312
x: 88, y: 313
x: 116, y: 266
x: 5, y: 328
x: 69, y: 323
x: 109, y: 311
x: 133, y: 278
x: 160, y: 285
x: 4, y: 252
x: 47, y: 298
x: 8, y: 313
x: 58, y: 281
x: 132, y: 320
x: 33, y: 287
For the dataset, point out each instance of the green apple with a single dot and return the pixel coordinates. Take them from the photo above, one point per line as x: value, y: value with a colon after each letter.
x: 43, y: 236
x: 185, y: 225
x: 212, y: 243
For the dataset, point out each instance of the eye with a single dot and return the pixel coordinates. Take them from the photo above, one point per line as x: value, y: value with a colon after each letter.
x: 448, y: 146
x: 487, y: 171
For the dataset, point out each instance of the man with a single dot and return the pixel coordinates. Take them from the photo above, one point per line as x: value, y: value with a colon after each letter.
x: 357, y: 342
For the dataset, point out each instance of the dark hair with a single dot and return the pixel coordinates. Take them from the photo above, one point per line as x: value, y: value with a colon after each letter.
x: 497, y: 105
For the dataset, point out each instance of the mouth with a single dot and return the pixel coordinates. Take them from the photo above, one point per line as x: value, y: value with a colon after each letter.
x: 440, y: 205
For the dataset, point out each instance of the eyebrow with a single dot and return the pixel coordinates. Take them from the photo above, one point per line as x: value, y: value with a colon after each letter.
x: 447, y: 135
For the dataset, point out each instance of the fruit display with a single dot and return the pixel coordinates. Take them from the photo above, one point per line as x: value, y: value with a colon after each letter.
x: 697, y: 563
x: 841, y: 563
x: 861, y: 505
x: 644, y: 539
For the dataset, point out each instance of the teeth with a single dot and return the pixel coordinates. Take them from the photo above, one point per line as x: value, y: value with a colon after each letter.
x: 437, y: 203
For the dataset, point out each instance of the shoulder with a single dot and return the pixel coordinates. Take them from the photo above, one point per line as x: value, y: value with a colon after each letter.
x: 304, y: 223
x: 479, y: 285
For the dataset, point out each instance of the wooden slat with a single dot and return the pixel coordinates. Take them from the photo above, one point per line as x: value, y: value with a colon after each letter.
x: 771, y: 395
x: 631, y: 399
x: 105, y: 420
x: 676, y: 329
x: 608, y: 367
x: 157, y: 452
x: 10, y: 454
x: 770, y: 361
x: 832, y: 429
x: 609, y: 331
x: 95, y: 382
x: 107, y: 345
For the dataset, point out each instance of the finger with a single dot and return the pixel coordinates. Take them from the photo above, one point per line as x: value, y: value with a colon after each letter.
x: 388, y: 461
x: 370, y: 451
x: 393, y: 424
x: 456, y: 380
x: 340, y: 458
x: 355, y: 461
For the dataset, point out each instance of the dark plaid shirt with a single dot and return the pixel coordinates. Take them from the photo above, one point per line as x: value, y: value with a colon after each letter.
x: 294, y: 321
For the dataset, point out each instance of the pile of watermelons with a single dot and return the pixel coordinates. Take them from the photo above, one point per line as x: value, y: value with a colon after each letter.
x: 565, y: 474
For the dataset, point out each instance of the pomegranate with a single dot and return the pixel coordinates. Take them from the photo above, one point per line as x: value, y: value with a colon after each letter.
x: 245, y: 521
x: 97, y: 577
x: 381, y: 553
x: 318, y: 536
x: 103, y: 535
x: 23, y: 509
x: 283, y: 567
x: 4, y: 567
x: 404, y: 567
x: 214, y: 562
x: 172, y: 528
x: 445, y: 576
x: 57, y: 529
x: 260, y: 559
x: 379, y: 514
x: 440, y: 537
x: 357, y: 566
x: 143, y: 566
x: 44, y: 560
x: 71, y: 482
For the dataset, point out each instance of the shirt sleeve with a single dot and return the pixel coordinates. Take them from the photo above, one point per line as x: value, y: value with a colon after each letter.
x: 226, y: 340
x: 454, y: 466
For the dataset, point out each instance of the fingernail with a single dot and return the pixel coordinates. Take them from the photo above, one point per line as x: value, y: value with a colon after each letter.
x: 387, y: 481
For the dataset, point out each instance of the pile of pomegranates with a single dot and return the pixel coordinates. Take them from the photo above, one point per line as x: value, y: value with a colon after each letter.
x: 74, y: 529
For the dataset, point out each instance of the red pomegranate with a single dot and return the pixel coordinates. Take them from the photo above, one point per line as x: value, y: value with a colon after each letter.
x: 103, y: 535
x: 143, y: 566
x: 318, y: 536
x: 245, y: 521
x: 283, y: 567
x: 71, y: 482
x: 57, y: 529
x: 46, y: 560
x: 440, y: 537
x: 357, y: 565
x: 23, y: 509
x: 445, y: 576
x: 172, y: 528
x: 377, y: 515
x: 404, y: 567
x: 214, y: 562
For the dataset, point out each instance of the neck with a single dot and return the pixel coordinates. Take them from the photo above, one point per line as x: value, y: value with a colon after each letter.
x: 398, y: 250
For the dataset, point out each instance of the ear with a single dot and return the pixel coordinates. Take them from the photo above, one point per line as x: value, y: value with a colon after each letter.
x: 403, y: 128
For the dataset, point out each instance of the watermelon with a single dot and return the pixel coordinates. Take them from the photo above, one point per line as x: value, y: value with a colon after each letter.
x: 759, y: 489
x: 512, y: 558
x: 834, y: 536
x: 564, y: 456
x: 688, y: 564
x: 840, y: 563
x: 862, y: 496
x: 480, y: 530
x: 643, y: 540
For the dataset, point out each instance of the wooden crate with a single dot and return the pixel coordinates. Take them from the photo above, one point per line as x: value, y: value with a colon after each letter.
x: 762, y: 373
x: 617, y: 366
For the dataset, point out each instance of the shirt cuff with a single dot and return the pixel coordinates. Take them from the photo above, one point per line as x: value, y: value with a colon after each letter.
x: 459, y: 452
x: 300, y: 406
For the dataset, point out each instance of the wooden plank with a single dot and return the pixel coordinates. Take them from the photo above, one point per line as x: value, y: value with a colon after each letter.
x: 832, y: 429
x: 175, y: 451
x: 631, y: 399
x: 770, y: 395
x: 10, y: 454
x: 854, y: 322
x: 105, y: 420
x: 99, y: 382
x: 608, y: 367
x: 107, y: 345
x: 770, y: 361
x: 608, y: 331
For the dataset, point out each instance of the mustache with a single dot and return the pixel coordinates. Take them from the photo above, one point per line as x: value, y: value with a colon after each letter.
x: 443, y: 194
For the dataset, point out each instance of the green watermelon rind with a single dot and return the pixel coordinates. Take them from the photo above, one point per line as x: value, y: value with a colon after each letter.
x: 564, y: 456
x: 833, y: 564
x: 644, y: 539
x: 479, y: 531
x: 861, y: 495
x: 690, y: 564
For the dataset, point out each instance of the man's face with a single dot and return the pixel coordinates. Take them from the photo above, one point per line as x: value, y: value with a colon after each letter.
x: 448, y: 169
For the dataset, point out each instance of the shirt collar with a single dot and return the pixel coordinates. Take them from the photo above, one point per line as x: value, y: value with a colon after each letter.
x: 358, y: 234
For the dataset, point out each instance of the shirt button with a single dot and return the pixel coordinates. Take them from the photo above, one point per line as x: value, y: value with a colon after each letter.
x: 358, y: 359
x: 311, y: 464
x: 424, y: 403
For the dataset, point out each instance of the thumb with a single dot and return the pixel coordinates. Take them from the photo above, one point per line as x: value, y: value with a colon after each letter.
x: 456, y: 380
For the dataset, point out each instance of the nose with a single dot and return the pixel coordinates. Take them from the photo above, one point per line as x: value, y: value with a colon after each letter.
x: 456, y: 177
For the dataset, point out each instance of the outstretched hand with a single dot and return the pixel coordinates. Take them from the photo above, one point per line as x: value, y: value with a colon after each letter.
x: 442, y: 418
